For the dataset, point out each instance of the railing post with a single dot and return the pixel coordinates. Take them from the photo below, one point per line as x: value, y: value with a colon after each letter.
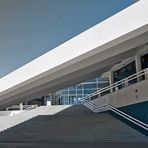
x: 126, y: 82
x: 99, y: 94
x: 138, y: 78
x: 111, y: 89
x: 89, y: 98
x: 146, y: 73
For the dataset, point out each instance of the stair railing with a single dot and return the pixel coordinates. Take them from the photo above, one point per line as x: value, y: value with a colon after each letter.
x: 122, y: 114
x: 135, y: 78
x: 128, y: 117
x: 92, y: 106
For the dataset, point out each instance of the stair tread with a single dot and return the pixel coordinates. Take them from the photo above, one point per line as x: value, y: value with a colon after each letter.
x: 76, y: 123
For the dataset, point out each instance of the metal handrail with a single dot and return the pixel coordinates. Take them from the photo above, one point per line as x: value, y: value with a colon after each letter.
x: 128, y: 117
x: 121, y: 113
x: 118, y: 83
x: 89, y: 103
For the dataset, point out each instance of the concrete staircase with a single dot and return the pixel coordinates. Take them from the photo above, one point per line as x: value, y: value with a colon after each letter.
x: 11, y: 121
x: 74, y: 124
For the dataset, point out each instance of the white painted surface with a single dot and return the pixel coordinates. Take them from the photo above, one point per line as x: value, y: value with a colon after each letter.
x: 10, y: 121
x: 10, y: 113
x: 80, y: 58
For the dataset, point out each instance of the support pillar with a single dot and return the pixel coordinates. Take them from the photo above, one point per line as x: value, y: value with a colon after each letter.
x: 138, y: 65
x: 111, y: 80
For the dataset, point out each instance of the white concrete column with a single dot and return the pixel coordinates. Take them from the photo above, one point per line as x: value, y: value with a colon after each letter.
x: 111, y: 80
x: 138, y: 63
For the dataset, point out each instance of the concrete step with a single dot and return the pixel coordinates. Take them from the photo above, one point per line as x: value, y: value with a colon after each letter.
x: 73, y: 124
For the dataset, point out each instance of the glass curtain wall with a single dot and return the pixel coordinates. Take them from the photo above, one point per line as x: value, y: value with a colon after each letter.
x: 72, y: 95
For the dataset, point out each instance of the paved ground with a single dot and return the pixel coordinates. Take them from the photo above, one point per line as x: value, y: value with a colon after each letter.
x: 74, y: 145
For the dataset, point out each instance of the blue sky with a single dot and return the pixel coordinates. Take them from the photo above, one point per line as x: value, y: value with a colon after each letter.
x: 30, y: 28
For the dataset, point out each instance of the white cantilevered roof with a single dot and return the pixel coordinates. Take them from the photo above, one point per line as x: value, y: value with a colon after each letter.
x: 84, y: 56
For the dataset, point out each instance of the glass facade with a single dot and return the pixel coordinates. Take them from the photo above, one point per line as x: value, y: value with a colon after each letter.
x: 144, y: 61
x: 128, y: 70
x: 72, y: 95
x: 124, y: 72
